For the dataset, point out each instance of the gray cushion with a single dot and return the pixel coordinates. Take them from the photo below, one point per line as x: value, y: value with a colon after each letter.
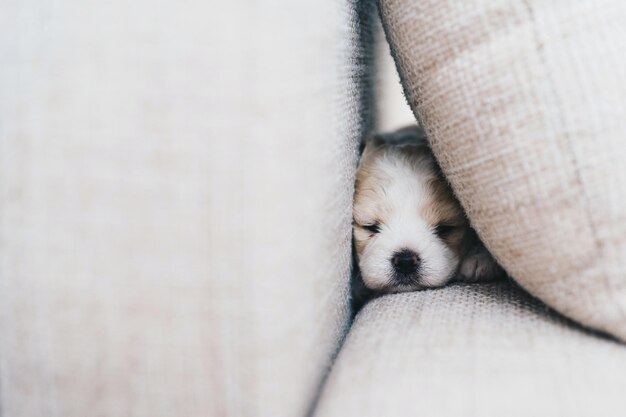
x: 524, y: 103
x: 175, y: 204
x: 485, y: 350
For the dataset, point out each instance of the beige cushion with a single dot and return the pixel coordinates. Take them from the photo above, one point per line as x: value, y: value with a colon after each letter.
x: 175, y: 204
x: 482, y: 350
x: 525, y: 105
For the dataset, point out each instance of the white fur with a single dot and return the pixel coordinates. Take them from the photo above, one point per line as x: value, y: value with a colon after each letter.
x: 398, y: 198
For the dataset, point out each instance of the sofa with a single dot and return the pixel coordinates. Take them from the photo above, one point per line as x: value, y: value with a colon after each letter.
x: 176, y: 184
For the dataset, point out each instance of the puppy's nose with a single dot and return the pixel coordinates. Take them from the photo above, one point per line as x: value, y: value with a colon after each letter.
x: 406, y: 261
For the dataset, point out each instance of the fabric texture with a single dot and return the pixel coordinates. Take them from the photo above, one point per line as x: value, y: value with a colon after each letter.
x: 524, y: 103
x: 479, y: 350
x: 175, y: 203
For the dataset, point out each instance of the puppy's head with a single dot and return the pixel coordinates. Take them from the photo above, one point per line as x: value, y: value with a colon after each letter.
x: 409, y: 230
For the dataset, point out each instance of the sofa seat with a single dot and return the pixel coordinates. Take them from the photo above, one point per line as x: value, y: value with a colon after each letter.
x: 472, y: 350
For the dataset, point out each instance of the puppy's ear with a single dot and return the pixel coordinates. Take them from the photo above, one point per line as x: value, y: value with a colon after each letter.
x: 410, y: 135
x: 371, y: 142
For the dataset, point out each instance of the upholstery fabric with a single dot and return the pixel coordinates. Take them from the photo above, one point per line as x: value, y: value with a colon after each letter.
x: 480, y: 350
x: 175, y: 203
x: 524, y: 103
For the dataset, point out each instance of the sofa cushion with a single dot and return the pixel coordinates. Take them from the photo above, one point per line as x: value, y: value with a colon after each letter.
x: 524, y: 103
x: 481, y: 350
x: 175, y: 204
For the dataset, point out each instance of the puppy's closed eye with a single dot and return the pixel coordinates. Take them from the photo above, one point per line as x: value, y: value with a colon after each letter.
x: 442, y: 229
x: 372, y: 228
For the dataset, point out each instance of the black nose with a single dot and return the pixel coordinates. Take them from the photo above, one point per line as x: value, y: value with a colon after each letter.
x: 406, y: 261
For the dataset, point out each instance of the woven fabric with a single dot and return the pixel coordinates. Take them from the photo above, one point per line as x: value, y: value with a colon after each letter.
x: 524, y: 103
x: 480, y: 350
x: 175, y: 204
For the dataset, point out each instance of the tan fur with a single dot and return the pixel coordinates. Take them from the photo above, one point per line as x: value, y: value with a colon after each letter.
x: 397, y: 170
x: 443, y: 207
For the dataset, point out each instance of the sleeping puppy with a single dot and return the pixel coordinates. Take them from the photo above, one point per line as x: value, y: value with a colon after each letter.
x: 410, y: 232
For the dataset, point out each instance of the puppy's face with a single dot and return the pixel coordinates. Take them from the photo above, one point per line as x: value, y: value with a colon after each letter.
x: 409, y: 230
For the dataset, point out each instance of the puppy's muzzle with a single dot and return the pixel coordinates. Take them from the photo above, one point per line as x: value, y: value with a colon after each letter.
x: 405, y: 262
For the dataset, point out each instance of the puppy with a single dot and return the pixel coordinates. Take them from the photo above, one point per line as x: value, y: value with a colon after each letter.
x: 410, y: 232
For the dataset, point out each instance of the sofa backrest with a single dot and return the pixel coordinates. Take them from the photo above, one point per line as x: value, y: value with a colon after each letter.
x: 175, y: 204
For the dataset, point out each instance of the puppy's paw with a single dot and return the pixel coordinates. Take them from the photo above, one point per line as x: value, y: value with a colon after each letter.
x: 479, y: 266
